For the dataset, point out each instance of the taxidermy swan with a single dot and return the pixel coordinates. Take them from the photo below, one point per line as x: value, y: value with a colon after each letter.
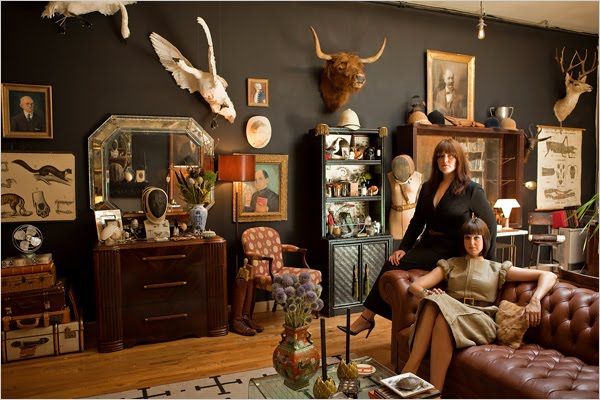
x: 77, y: 8
x: 210, y: 85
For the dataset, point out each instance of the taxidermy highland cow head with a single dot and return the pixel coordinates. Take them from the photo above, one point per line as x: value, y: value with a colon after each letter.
x: 342, y: 75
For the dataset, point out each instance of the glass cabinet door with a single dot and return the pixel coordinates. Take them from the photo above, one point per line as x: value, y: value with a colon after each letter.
x: 483, y: 155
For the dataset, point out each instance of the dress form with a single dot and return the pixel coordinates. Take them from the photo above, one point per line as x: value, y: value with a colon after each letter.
x: 404, y: 198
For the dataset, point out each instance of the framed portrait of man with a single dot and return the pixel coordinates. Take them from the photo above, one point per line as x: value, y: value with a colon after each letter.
x: 265, y: 198
x: 451, y: 84
x: 26, y: 111
x: 258, y: 92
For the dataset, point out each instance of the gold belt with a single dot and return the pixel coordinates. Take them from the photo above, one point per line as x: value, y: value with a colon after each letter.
x: 404, y: 206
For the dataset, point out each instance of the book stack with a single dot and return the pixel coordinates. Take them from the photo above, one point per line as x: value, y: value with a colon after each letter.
x: 35, y: 312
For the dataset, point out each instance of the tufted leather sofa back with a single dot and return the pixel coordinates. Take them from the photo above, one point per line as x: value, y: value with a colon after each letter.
x: 569, y: 321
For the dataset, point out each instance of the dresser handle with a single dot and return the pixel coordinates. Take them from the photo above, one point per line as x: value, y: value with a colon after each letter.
x: 165, y: 285
x: 165, y: 317
x: 172, y: 257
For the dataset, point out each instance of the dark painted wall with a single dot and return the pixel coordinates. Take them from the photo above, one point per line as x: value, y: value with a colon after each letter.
x: 94, y: 74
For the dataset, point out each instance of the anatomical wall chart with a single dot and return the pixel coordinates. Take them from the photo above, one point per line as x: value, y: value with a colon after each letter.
x: 38, y: 187
x: 559, y: 167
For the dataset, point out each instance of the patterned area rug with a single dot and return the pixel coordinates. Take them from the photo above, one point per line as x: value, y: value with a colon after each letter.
x: 230, y: 386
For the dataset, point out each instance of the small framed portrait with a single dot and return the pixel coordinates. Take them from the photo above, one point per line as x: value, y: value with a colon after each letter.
x: 105, y: 218
x: 451, y: 84
x: 26, y: 111
x: 258, y: 92
x: 264, y: 199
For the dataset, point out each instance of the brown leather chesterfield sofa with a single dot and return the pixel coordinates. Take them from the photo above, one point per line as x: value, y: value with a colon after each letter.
x: 558, y: 359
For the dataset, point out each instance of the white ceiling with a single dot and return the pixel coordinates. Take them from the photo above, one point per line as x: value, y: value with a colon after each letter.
x: 578, y: 16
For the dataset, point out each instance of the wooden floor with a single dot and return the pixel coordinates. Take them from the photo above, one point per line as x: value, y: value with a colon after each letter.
x: 91, y: 373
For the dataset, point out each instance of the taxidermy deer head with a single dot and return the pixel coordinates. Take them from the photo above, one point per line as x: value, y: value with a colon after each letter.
x: 532, y: 140
x: 210, y: 85
x: 76, y: 8
x: 343, y: 74
x: 564, y: 106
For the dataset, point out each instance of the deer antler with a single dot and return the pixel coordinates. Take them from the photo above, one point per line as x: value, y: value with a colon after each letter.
x: 571, y: 66
x: 584, y: 72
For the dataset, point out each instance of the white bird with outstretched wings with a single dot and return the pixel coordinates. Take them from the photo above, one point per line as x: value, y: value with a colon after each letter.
x: 210, y: 85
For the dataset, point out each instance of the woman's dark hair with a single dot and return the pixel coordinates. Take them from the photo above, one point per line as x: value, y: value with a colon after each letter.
x: 476, y: 226
x: 462, y: 174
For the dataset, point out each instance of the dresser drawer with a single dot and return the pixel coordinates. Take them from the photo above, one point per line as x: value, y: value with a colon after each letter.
x: 161, y: 274
x: 161, y: 321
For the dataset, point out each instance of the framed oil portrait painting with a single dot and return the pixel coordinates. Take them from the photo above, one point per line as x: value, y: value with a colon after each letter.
x: 451, y: 84
x: 258, y: 92
x: 264, y: 199
x: 26, y: 111
x: 38, y: 187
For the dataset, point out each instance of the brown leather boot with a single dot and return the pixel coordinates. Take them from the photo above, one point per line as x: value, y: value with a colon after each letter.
x: 236, y: 321
x: 249, y: 305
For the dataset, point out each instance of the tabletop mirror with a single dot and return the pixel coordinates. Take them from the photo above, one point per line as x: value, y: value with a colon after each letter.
x: 129, y: 153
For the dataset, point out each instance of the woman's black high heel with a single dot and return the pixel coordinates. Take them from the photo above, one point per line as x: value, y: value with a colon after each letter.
x: 370, y: 327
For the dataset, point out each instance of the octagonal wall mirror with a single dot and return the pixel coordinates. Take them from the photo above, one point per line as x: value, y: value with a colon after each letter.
x: 129, y: 153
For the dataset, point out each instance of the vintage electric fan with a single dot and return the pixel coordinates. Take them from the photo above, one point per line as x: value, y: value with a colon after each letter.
x: 27, y: 239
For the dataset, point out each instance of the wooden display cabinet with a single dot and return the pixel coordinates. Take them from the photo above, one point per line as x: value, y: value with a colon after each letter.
x: 352, y: 257
x: 496, y: 157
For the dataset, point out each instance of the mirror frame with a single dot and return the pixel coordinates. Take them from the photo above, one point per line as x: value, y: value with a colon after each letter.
x: 115, y: 125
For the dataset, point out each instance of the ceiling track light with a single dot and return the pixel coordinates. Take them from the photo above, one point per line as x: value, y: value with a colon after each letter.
x: 481, y: 25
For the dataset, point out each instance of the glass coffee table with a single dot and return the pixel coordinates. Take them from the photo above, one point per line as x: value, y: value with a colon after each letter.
x: 272, y: 387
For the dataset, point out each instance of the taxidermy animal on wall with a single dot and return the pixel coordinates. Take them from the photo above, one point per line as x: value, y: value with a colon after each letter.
x: 343, y: 74
x: 574, y: 87
x: 210, y: 85
x: 75, y: 9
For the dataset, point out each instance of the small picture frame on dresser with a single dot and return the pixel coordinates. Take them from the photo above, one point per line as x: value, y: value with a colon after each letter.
x: 105, y: 218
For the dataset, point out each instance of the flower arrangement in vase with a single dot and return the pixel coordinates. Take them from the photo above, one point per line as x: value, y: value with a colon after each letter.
x: 196, y: 188
x: 296, y: 358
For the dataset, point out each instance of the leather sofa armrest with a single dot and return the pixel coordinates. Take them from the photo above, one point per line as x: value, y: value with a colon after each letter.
x: 393, y: 287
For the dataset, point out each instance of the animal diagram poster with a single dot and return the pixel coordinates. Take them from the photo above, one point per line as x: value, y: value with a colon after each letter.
x: 38, y: 187
x: 559, y: 167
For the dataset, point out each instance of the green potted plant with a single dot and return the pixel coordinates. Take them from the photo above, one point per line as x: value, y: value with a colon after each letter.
x: 591, y: 242
x: 195, y: 187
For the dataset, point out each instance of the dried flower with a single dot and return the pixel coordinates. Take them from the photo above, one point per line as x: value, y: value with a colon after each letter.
x: 196, y: 187
x: 299, y: 298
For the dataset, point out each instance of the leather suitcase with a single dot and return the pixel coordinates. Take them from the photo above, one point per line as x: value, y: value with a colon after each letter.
x: 19, y: 283
x: 34, y: 301
x: 51, y: 340
x: 36, y: 320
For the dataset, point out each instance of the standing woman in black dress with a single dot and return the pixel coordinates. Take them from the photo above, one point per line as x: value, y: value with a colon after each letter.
x: 446, y: 201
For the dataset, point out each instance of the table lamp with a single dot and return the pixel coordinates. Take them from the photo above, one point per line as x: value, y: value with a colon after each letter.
x: 506, y: 205
x: 236, y: 168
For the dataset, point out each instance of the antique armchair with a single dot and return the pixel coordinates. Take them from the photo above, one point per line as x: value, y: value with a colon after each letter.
x: 263, y: 246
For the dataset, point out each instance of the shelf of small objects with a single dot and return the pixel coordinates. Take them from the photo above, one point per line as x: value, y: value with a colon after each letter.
x: 114, y: 235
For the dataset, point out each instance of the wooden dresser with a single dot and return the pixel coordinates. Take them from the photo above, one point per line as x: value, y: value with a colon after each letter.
x: 155, y: 291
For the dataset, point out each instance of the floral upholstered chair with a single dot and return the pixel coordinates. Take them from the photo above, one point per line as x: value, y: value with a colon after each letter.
x: 264, y: 245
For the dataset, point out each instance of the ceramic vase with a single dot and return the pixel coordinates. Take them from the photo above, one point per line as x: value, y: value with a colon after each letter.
x: 198, y: 214
x: 296, y: 359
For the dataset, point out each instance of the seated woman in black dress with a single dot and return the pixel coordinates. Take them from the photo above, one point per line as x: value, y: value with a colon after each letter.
x: 446, y: 201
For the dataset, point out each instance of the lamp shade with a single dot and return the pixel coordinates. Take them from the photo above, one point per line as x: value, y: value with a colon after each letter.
x: 236, y: 167
x: 506, y: 205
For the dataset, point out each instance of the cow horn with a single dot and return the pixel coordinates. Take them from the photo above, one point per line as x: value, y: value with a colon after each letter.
x: 374, y: 58
x: 320, y: 54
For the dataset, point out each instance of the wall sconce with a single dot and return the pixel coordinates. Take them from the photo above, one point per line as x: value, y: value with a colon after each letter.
x: 236, y: 168
x: 481, y: 25
x: 506, y: 205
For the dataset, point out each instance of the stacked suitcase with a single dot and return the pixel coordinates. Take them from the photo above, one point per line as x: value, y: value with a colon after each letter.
x: 39, y: 315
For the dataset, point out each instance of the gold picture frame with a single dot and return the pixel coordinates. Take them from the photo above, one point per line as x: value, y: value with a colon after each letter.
x: 451, y: 73
x: 258, y: 92
x: 264, y: 199
x: 26, y: 111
